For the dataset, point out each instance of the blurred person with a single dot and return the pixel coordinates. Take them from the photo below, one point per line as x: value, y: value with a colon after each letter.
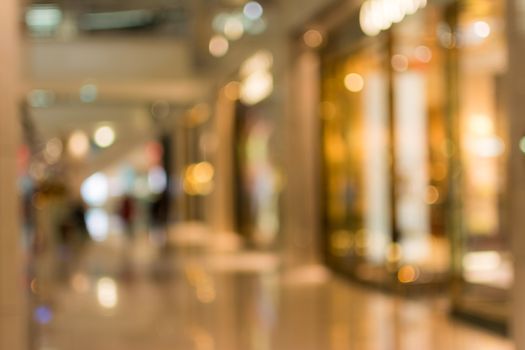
x: 127, y: 213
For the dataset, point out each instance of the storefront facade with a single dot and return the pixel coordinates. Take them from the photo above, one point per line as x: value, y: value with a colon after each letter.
x: 415, y: 148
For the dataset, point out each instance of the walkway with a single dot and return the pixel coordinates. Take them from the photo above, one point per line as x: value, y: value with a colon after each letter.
x: 192, y: 298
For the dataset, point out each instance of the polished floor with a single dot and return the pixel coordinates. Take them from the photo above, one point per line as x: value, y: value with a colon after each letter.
x: 133, y: 296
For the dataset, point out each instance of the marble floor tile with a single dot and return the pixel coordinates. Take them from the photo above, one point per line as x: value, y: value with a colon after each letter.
x: 122, y: 296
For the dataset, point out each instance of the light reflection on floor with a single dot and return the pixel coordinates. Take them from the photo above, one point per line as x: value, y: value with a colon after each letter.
x: 192, y: 298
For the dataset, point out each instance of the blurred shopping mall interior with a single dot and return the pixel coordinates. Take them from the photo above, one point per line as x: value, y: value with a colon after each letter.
x: 262, y: 174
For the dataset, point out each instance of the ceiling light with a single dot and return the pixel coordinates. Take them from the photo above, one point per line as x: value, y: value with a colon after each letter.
x: 233, y: 28
x: 78, y: 145
x: 95, y: 190
x: 218, y: 46
x: 253, y: 10
x: 104, y: 136
x: 43, y: 19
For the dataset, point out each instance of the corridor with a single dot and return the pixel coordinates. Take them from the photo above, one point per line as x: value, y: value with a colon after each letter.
x: 203, y: 294
x: 262, y: 175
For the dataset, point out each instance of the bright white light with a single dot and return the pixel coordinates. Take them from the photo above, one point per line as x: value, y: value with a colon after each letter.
x: 78, y: 145
x: 482, y: 29
x: 262, y: 60
x: 218, y: 46
x: 489, y: 147
x: 482, y: 261
x: 43, y: 19
x: 253, y: 10
x: 157, y: 180
x: 88, y: 93
x: 378, y: 15
x: 95, y: 190
x: 107, y: 293
x: 256, y: 87
x: 522, y: 144
x: 257, y: 81
x: 97, y: 222
x: 104, y: 136
x: 233, y: 28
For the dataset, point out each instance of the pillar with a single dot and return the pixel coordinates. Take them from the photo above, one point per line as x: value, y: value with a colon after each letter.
x: 516, y: 185
x: 11, y: 282
x: 301, y: 202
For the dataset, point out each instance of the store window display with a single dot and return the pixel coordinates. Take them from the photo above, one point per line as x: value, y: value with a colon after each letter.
x: 386, y: 169
x: 483, y: 261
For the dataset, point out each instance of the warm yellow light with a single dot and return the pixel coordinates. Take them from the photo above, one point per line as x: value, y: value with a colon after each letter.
x: 218, y: 46
x: 394, y: 253
x: 203, y: 172
x: 423, y: 54
x: 78, y: 145
x: 313, y: 38
x: 407, y: 274
x: 400, y: 63
x: 354, y: 82
x: 104, y: 136
x: 233, y: 28
x: 341, y: 242
x: 198, y: 114
x: 481, y: 125
x: 198, y: 179
x: 432, y: 195
x: 231, y: 90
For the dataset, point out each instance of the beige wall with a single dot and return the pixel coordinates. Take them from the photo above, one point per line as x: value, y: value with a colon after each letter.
x: 12, y: 335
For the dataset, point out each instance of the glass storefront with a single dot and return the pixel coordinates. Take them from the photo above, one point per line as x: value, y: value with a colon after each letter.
x: 414, y: 150
x: 483, y: 263
x: 385, y: 166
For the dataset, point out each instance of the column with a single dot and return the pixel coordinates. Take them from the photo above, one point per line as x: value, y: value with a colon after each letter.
x: 516, y: 185
x: 301, y: 202
x: 12, y: 314
x: 221, y: 211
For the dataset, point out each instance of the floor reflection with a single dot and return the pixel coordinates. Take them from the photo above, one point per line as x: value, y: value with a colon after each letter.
x: 122, y: 295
